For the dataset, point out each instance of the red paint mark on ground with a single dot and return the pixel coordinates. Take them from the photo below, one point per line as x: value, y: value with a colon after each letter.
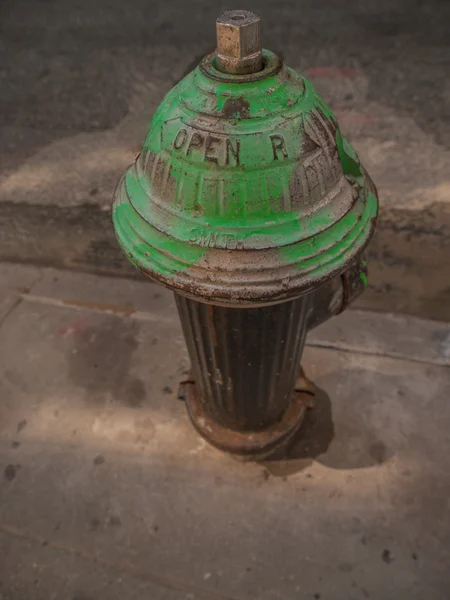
x: 354, y: 117
x: 72, y: 328
x: 345, y: 72
x: 101, y: 306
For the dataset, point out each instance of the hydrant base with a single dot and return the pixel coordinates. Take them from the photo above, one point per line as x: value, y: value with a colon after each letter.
x: 247, y: 445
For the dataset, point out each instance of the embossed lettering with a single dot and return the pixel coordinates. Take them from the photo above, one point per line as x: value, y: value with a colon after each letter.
x: 180, y: 140
x: 195, y: 142
x: 194, y: 235
x: 211, y: 146
x: 217, y: 149
x: 232, y: 242
x: 229, y: 240
x: 234, y: 151
x: 208, y: 239
x: 278, y: 145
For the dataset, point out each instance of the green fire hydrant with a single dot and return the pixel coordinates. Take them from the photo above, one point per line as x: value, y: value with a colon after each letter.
x: 249, y: 204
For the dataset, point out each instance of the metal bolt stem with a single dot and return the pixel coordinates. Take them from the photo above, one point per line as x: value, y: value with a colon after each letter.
x: 239, y: 42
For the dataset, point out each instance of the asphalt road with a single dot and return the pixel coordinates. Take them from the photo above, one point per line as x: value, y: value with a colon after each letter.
x: 64, y: 63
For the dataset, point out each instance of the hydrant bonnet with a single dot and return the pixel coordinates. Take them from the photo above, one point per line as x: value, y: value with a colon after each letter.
x: 245, y: 192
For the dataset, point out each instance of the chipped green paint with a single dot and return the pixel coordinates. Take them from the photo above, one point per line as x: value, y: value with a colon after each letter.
x: 141, y: 242
x: 364, y: 279
x: 229, y: 168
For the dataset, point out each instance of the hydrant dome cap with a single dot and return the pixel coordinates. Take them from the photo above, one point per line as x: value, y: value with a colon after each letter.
x: 245, y: 190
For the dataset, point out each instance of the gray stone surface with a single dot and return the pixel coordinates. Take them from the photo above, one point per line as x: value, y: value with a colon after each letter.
x: 18, y: 278
x: 7, y: 304
x: 81, y: 80
x: 401, y: 336
x: 106, y: 491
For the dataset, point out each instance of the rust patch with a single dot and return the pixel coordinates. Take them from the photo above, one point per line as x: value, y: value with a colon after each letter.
x: 251, y: 445
x: 213, y: 327
x: 305, y: 385
x: 238, y: 108
x: 100, y: 306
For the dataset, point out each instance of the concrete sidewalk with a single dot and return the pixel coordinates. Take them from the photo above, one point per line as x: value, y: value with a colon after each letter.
x: 107, y: 492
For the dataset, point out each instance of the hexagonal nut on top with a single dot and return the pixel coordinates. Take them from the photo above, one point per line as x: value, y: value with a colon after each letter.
x: 239, y: 42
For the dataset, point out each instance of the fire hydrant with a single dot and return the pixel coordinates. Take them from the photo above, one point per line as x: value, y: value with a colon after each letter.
x: 248, y: 203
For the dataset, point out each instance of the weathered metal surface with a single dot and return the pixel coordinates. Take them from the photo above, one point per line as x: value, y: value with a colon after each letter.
x: 249, y: 204
x: 245, y: 191
x: 354, y: 280
x: 338, y: 293
x: 244, y: 361
x: 327, y: 301
x: 238, y: 42
x: 274, y: 440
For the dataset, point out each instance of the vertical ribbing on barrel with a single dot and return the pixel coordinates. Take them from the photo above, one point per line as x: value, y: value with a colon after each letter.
x: 244, y: 360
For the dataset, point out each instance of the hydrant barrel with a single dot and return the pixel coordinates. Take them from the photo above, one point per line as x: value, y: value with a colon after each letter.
x: 248, y: 203
x: 244, y: 360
